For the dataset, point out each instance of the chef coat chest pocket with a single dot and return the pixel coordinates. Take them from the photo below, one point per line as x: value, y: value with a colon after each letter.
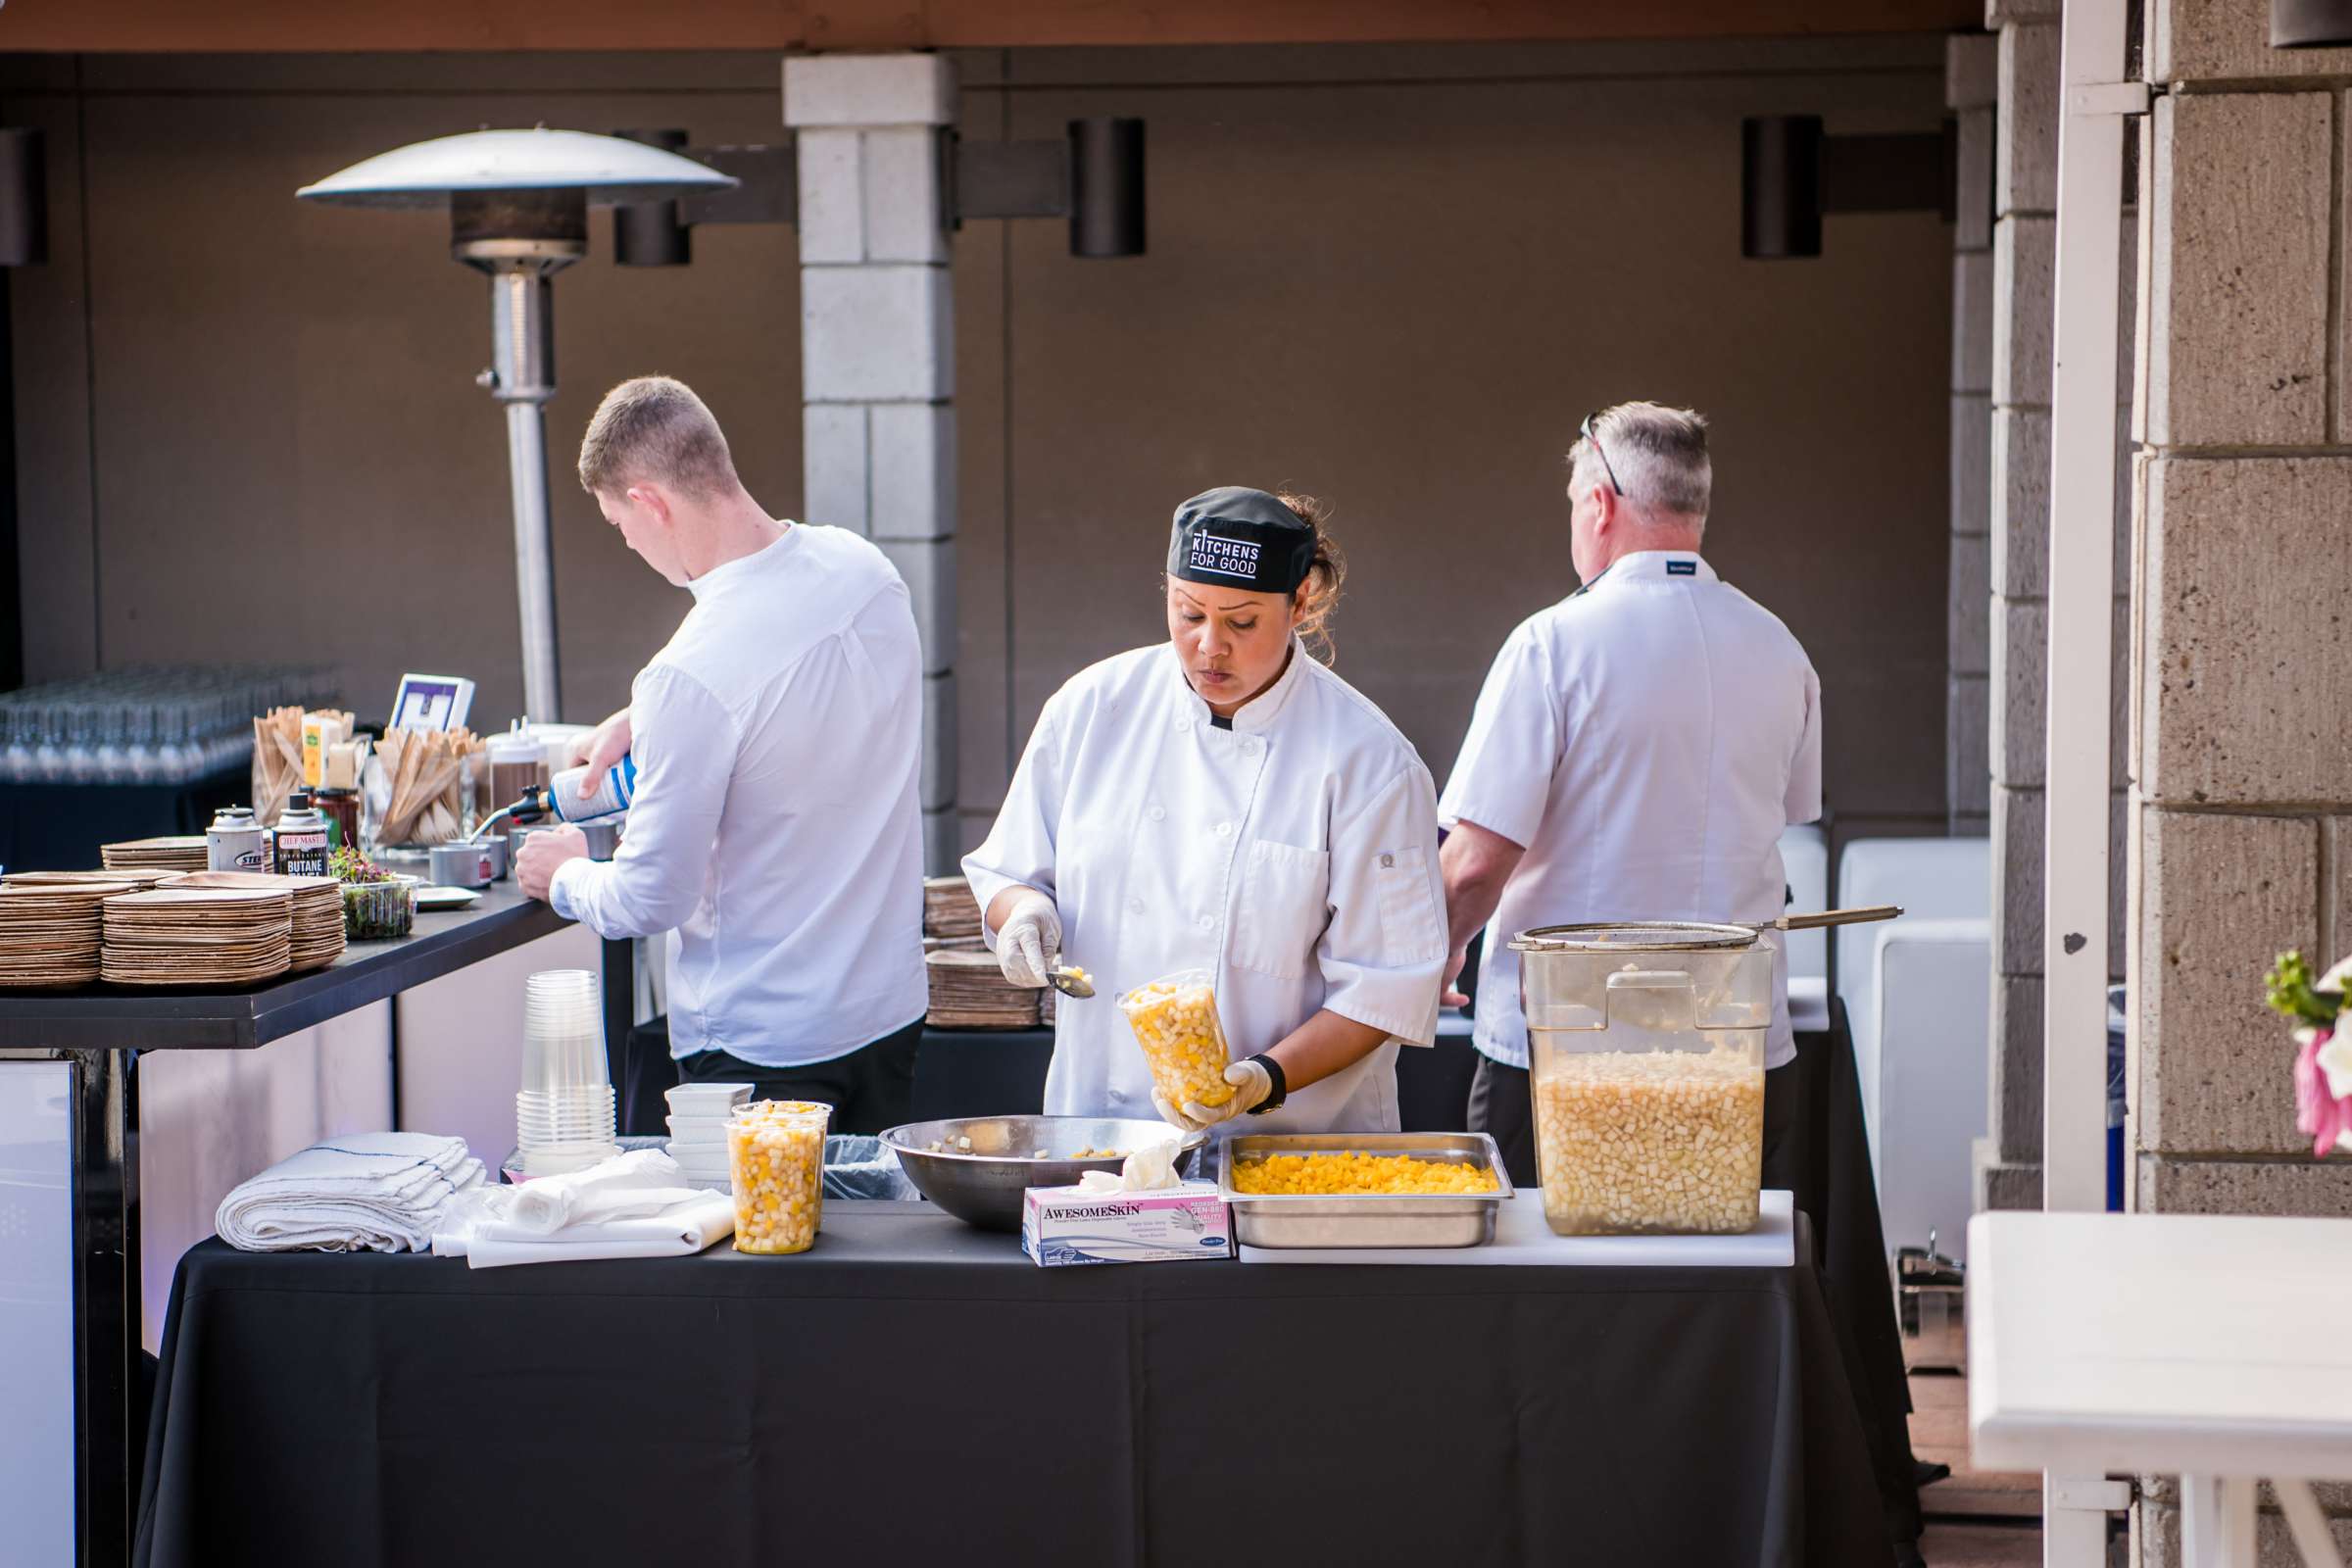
x: 1283, y: 908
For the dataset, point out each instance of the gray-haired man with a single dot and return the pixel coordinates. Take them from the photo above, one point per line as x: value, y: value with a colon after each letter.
x: 1636, y: 753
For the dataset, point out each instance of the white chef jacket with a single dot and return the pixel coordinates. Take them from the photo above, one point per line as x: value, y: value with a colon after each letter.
x: 1645, y: 740
x: 776, y: 825
x: 1294, y: 856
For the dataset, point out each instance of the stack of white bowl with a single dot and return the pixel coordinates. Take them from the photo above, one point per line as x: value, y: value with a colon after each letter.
x: 564, y: 1113
x: 698, y: 1129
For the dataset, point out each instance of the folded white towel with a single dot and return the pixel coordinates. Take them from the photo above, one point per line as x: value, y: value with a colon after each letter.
x: 642, y: 1181
x: 682, y: 1229
x: 364, y: 1191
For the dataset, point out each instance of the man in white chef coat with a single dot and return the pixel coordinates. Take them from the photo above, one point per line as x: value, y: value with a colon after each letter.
x: 777, y: 740
x: 1634, y: 754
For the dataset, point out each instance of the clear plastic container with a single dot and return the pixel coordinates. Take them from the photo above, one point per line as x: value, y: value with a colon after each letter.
x: 775, y: 1164
x: 1646, y: 1046
x: 375, y: 910
x: 1175, y: 1021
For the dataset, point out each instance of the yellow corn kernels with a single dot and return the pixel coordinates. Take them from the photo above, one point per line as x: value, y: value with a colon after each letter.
x: 776, y: 1155
x: 1357, y: 1175
x: 1660, y: 1141
x: 1175, y: 1021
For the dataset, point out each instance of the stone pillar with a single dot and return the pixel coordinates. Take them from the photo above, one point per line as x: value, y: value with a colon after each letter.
x: 2025, y: 241
x: 2024, y: 236
x: 1971, y: 63
x: 2241, y: 758
x: 878, y: 351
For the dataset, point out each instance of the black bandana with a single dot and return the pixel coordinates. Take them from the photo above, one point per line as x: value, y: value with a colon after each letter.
x: 1233, y: 537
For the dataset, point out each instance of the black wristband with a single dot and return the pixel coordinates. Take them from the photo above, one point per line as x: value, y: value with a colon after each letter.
x: 1282, y: 1086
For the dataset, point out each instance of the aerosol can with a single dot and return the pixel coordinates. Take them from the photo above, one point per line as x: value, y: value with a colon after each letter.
x: 575, y: 795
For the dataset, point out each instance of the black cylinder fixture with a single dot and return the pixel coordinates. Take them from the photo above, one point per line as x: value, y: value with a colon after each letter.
x: 650, y: 233
x: 1107, y: 187
x: 23, y: 199
x: 1780, y: 187
x: 2310, y: 23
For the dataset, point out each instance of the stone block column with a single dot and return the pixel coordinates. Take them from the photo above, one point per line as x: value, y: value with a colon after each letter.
x: 1971, y: 67
x: 2023, y: 264
x: 878, y: 351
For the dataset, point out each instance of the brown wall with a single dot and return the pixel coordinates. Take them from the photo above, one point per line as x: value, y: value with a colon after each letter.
x: 1393, y: 275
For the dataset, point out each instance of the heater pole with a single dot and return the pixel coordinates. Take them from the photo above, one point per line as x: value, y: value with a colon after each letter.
x: 523, y: 376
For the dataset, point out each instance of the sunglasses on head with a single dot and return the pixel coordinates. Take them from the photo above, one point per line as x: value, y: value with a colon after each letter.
x: 1589, y: 434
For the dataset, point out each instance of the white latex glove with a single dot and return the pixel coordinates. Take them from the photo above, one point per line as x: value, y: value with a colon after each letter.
x: 1252, y: 1084
x: 1029, y: 943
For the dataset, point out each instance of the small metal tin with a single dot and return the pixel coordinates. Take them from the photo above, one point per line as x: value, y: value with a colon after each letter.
x: 235, y: 842
x: 460, y: 865
x: 1444, y: 1220
x: 495, y: 846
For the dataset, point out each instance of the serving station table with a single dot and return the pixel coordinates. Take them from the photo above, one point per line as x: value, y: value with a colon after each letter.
x: 2206, y: 1346
x: 88, y: 1042
x: 914, y: 1385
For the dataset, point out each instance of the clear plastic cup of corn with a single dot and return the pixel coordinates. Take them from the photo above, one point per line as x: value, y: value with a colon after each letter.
x: 1646, y: 1064
x: 1175, y: 1021
x: 775, y: 1159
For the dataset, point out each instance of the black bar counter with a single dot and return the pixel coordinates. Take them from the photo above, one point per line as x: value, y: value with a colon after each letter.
x: 101, y: 1030
x: 915, y: 1391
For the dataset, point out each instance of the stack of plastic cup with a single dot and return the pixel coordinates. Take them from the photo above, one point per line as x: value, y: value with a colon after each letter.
x: 564, y: 1112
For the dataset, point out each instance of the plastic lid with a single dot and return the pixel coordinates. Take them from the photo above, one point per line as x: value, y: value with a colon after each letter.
x: 1635, y: 936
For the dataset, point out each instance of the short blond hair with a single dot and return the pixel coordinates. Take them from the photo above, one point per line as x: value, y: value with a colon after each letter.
x: 654, y: 428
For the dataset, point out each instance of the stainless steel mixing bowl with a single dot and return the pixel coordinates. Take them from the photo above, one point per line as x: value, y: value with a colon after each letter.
x: 983, y: 1187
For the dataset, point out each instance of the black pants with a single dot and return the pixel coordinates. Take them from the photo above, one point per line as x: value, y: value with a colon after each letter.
x: 869, y: 1089
x: 1501, y: 1105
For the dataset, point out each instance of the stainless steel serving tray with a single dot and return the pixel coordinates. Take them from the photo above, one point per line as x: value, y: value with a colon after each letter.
x: 1448, y: 1219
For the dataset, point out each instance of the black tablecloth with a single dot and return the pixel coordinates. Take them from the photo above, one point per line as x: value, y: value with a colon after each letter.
x: 58, y: 827
x: 912, y: 1385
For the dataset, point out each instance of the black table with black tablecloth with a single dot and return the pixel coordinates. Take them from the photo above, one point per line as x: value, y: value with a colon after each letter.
x: 912, y: 1385
x: 981, y: 1072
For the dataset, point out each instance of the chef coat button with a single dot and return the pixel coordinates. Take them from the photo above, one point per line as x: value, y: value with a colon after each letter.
x: 1158, y: 813
x: 1250, y: 746
x: 1183, y: 723
x: 1224, y: 830
x: 1135, y: 906
x: 1209, y: 922
x: 1387, y: 862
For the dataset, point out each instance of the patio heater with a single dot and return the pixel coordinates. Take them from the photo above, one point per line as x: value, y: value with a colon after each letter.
x: 517, y: 202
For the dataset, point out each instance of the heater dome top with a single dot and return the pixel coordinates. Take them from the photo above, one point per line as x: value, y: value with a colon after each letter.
x: 427, y: 173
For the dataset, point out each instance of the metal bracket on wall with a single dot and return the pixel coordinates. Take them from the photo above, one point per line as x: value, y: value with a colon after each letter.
x: 1094, y: 177
x: 1790, y: 175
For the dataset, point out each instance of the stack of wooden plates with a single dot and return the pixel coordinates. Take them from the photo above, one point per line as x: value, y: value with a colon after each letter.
x: 50, y: 935
x: 951, y: 914
x: 969, y: 992
x: 318, y: 930
x: 183, y: 936
x: 184, y: 853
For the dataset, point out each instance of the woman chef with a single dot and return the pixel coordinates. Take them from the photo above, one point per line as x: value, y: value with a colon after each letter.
x: 1223, y: 801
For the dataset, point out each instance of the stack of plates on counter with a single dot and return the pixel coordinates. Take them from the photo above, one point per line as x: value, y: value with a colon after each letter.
x: 951, y: 914
x: 121, y: 881
x: 183, y: 852
x: 697, y: 1130
x: 183, y: 936
x: 318, y: 930
x: 51, y: 934
x: 968, y: 990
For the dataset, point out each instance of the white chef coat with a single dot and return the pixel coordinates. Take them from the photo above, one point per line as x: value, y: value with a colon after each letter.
x: 1294, y: 856
x: 776, y: 825
x: 1645, y: 740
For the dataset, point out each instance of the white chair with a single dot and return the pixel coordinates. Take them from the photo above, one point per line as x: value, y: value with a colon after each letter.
x: 1935, y: 1013
x: 1934, y: 880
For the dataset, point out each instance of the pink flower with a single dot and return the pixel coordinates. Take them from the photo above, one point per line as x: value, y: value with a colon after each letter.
x: 2319, y: 1112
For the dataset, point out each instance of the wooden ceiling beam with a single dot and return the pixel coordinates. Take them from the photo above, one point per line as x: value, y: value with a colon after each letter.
x: 305, y: 26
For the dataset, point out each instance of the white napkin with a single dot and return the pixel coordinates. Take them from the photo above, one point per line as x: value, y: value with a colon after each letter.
x: 1147, y: 1168
x: 642, y: 1181
x: 365, y: 1192
x: 678, y: 1231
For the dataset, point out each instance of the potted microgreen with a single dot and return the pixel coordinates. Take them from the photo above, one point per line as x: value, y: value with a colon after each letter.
x: 376, y: 904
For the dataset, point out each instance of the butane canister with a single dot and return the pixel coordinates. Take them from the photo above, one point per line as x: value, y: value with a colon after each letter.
x: 235, y: 842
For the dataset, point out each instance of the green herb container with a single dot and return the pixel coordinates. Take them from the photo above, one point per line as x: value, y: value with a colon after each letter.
x: 374, y: 911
